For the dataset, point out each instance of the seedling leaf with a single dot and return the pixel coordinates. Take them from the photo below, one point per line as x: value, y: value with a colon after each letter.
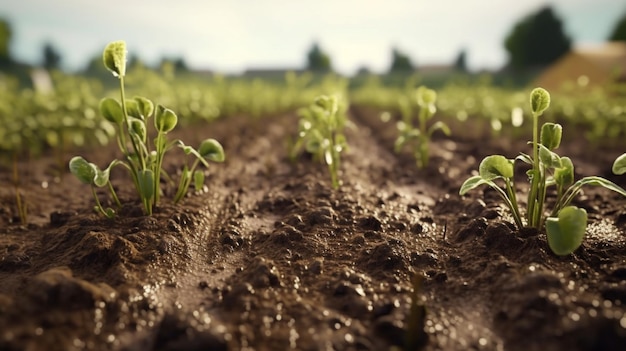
x: 565, y: 232
x: 212, y: 150
x: 198, y: 179
x: 472, y: 183
x: 439, y: 125
x: 83, y: 170
x: 111, y: 110
x: 425, y: 96
x: 132, y: 109
x: 549, y: 158
x: 165, y: 119
x: 594, y: 180
x: 114, y: 58
x: 564, y: 175
x: 145, y: 106
x: 539, y: 100
x: 146, y: 183
x: 496, y: 166
x: 619, y: 166
x: 551, y: 134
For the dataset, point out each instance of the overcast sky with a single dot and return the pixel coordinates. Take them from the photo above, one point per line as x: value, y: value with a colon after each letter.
x: 233, y: 35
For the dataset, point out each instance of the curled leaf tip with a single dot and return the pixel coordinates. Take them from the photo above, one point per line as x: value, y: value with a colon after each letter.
x: 114, y: 58
x: 539, y: 100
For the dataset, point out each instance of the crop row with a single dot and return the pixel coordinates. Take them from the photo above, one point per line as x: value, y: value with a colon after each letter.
x: 134, y: 121
x: 37, y: 119
x: 600, y: 112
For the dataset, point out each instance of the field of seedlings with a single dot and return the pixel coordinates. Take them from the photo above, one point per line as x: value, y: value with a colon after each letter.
x: 152, y: 212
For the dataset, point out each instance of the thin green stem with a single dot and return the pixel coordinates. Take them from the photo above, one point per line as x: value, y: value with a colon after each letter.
x: 423, y: 138
x: 509, y: 204
x: 21, y: 206
x: 332, y: 168
x: 185, y: 181
x: 139, y: 154
x: 513, y: 199
x: 157, y: 171
x: 534, y: 188
x: 114, y: 195
x: 98, y: 204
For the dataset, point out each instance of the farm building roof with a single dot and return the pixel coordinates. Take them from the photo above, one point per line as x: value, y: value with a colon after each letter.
x: 587, y: 66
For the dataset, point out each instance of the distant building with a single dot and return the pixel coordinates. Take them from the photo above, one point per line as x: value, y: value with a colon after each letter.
x: 270, y: 73
x: 435, y: 69
x: 586, y: 67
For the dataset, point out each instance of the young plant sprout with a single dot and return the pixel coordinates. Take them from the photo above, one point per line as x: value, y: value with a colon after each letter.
x: 22, y: 208
x: 320, y: 132
x: 566, y: 224
x: 419, y: 136
x: 619, y: 165
x: 143, y: 159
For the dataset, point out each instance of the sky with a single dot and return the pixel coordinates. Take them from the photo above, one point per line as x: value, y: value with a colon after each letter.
x: 235, y: 35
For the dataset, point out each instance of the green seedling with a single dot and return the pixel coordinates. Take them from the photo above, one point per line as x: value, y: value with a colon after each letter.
x: 566, y: 224
x: 320, y: 132
x: 89, y: 173
x: 143, y: 159
x: 418, y: 136
x: 22, y: 208
x: 619, y: 165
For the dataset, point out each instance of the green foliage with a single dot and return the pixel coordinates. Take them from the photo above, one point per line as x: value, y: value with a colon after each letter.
x: 51, y: 57
x: 142, y: 158
x: 37, y: 121
x: 400, y: 62
x: 318, y: 60
x: 619, y: 31
x: 619, y: 166
x: 114, y: 58
x: 566, y: 232
x: 481, y: 106
x: 460, y: 63
x: 566, y: 224
x: 537, y: 40
x: 320, y: 132
x: 418, y: 135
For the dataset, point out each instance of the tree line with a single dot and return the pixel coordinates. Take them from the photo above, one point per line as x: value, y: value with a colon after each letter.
x: 535, y: 41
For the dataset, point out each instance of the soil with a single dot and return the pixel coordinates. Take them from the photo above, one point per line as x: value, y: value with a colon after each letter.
x: 269, y: 257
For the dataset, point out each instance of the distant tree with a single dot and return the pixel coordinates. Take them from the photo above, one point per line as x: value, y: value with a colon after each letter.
x: 537, y: 40
x: 363, y: 70
x: 460, y: 63
x: 180, y: 64
x: 400, y: 62
x: 318, y: 60
x: 134, y: 61
x: 5, y: 41
x: 95, y: 67
x: 51, y: 57
x: 619, y: 31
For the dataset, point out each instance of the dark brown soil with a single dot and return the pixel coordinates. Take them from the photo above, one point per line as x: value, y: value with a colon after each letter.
x: 269, y: 257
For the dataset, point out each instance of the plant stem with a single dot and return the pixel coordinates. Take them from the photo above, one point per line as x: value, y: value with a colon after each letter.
x: 21, y: 206
x: 98, y: 204
x: 114, y: 195
x: 185, y: 181
x: 139, y: 154
x: 332, y: 167
x: 513, y: 199
x: 159, y: 163
x: 532, y: 213
x: 423, y: 138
